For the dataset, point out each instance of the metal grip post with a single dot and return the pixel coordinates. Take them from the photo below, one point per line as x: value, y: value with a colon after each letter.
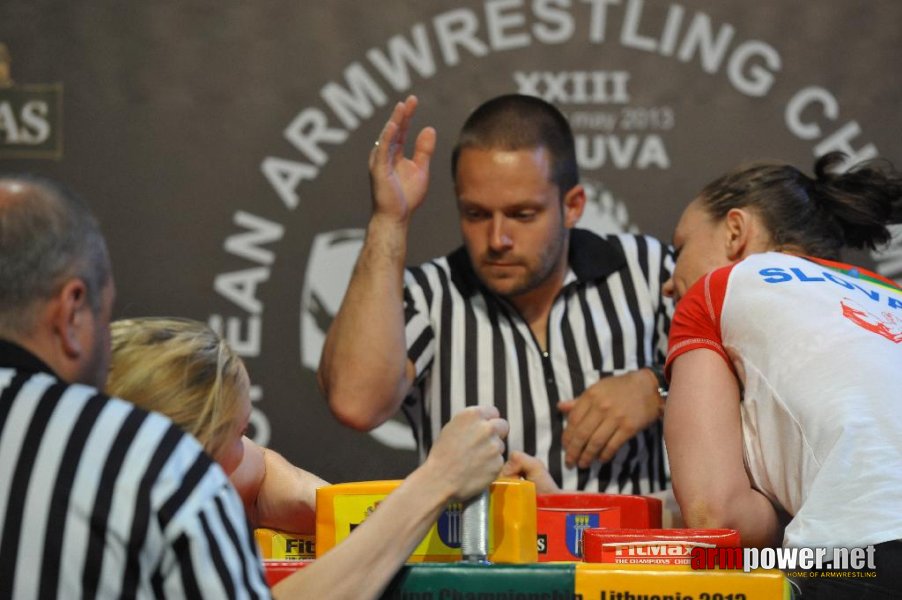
x: 474, y: 540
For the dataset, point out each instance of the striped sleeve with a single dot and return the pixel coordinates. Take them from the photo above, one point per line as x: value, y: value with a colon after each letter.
x: 210, y: 551
x: 419, y: 290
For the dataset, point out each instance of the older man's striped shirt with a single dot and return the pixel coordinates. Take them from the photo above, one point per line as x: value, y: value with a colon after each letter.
x: 471, y: 347
x: 99, y: 499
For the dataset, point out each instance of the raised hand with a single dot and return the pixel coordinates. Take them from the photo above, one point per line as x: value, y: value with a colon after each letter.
x: 398, y: 183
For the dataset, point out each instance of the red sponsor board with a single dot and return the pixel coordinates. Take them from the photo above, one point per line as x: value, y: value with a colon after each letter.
x: 652, y: 546
x: 641, y: 512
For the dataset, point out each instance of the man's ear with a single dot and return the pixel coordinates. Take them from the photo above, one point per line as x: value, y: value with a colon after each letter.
x: 70, y: 316
x: 573, y: 205
x: 739, y: 230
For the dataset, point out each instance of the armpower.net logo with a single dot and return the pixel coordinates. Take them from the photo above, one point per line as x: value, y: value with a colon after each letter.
x: 800, y: 562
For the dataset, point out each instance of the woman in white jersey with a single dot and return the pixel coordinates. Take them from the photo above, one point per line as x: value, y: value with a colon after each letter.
x: 784, y: 419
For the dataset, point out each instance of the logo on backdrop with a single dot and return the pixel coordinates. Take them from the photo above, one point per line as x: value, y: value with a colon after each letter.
x: 329, y: 266
x: 31, y: 124
x: 614, y: 130
x: 609, y: 131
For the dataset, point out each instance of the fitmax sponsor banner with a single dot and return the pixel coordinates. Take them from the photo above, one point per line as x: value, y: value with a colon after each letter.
x: 224, y: 147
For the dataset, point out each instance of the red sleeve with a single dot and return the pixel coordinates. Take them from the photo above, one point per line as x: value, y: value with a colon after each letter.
x: 696, y: 322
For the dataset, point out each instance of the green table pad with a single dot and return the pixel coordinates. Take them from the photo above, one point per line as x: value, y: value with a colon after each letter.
x: 463, y: 581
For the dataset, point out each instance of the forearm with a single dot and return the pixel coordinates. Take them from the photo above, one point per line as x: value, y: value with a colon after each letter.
x: 465, y: 459
x: 364, y: 563
x: 703, y: 433
x: 363, y: 369
x: 287, y: 496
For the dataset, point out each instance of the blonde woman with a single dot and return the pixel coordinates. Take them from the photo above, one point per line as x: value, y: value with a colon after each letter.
x: 184, y: 370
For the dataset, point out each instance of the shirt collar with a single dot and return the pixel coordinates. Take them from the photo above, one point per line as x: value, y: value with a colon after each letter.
x: 589, y: 256
x: 15, y: 356
x: 592, y: 257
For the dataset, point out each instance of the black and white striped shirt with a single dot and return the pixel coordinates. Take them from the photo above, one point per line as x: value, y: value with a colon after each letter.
x: 99, y: 499
x: 471, y: 347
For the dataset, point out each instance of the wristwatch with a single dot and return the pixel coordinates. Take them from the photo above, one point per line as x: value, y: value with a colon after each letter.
x: 663, y: 386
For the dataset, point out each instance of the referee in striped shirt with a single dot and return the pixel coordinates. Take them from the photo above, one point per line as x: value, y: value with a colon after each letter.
x: 564, y: 331
x: 97, y: 498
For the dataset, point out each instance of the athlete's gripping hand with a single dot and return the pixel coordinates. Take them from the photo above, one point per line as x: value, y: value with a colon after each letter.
x: 531, y: 469
x: 468, y: 454
x: 399, y: 184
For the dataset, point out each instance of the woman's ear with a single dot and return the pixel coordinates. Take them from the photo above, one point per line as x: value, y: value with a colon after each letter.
x: 739, y: 228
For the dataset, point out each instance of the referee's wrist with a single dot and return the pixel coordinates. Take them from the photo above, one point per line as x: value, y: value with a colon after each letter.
x: 661, y: 380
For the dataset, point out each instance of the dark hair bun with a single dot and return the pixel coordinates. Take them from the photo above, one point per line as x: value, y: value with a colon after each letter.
x: 860, y: 201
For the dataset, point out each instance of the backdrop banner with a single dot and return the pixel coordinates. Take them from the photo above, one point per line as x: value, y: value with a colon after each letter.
x: 224, y: 145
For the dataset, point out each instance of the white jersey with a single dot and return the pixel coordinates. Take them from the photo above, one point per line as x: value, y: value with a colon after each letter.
x: 817, y: 348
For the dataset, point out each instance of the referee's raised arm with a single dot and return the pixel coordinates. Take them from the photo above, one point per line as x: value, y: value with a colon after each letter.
x: 364, y: 370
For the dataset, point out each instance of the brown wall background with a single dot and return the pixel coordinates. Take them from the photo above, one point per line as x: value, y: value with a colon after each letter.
x: 171, y: 109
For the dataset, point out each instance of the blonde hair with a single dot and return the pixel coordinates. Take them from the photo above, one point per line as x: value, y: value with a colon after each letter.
x: 182, y: 369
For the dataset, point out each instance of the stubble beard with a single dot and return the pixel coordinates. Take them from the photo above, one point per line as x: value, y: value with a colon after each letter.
x: 533, y: 278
